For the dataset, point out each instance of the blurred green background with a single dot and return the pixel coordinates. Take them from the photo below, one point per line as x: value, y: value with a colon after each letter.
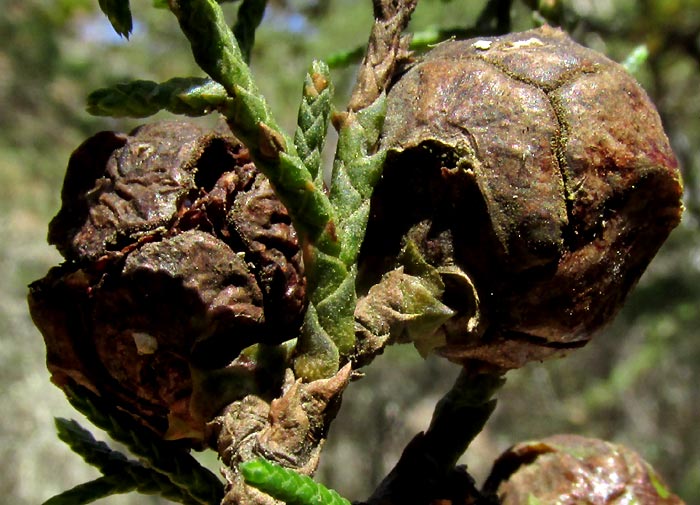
x: 637, y: 383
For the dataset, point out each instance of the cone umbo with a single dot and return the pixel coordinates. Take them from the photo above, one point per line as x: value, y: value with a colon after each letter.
x: 535, y: 176
x: 178, y: 257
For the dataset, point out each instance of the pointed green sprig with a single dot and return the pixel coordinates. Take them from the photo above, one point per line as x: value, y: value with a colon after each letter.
x: 287, y: 485
x: 215, y: 50
x: 250, y: 14
x: 313, y: 118
x: 214, y: 46
x: 188, y: 96
x: 416, y: 311
x: 119, y: 483
x: 356, y: 171
x: 81, y: 441
x: 119, y: 14
x: 636, y: 59
x: 121, y: 475
x: 327, y: 338
x: 176, y: 464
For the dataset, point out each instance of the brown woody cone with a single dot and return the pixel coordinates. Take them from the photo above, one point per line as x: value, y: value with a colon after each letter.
x: 540, y: 171
x: 178, y: 256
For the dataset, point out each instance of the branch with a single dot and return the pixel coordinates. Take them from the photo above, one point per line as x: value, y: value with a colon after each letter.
x: 386, y: 47
x: 250, y: 14
x: 426, y: 471
x: 189, y: 96
x: 327, y: 339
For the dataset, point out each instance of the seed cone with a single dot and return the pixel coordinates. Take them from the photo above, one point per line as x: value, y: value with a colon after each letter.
x: 178, y: 257
x: 570, y: 469
x: 536, y: 171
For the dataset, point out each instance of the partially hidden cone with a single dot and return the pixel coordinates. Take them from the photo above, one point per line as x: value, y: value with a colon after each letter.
x: 571, y: 470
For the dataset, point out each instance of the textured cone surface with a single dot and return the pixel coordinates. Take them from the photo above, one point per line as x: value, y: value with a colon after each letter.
x: 541, y: 169
x: 178, y: 254
x: 575, y: 470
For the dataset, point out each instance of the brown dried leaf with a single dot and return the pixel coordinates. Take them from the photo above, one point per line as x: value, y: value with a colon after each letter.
x: 289, y: 430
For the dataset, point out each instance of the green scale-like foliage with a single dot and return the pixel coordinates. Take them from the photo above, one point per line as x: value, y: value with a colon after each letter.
x: 188, y: 96
x: 287, y: 485
x: 121, y: 475
x: 328, y: 336
x: 165, y: 469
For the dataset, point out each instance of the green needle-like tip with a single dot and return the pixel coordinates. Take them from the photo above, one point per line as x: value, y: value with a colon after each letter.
x: 636, y: 59
x: 119, y: 14
x: 188, y: 96
x: 287, y: 485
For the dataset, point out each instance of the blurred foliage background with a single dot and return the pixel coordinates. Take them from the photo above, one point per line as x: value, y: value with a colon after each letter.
x: 636, y: 383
